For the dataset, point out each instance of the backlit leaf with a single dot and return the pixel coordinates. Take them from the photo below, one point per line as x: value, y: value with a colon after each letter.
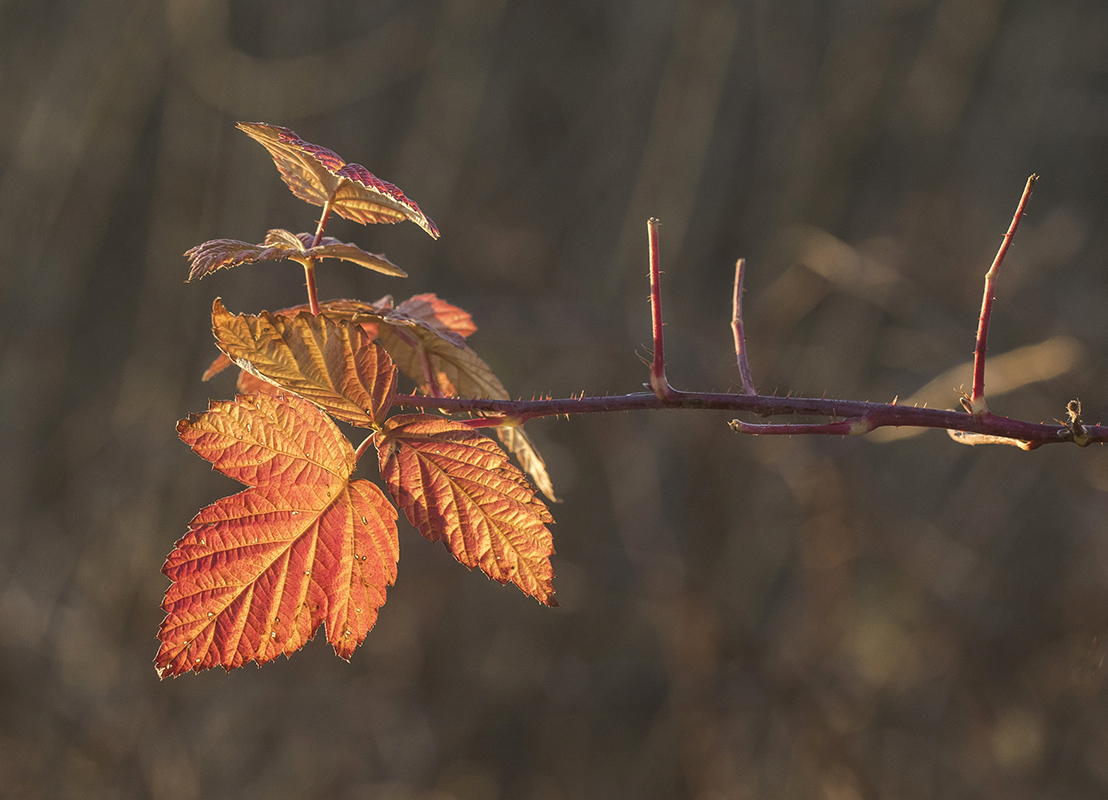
x: 317, y: 175
x: 438, y: 313
x: 260, y: 571
x: 423, y: 336
x: 204, y: 259
x: 425, y: 310
x: 332, y: 363
x: 458, y: 487
x: 441, y: 369
x: 280, y: 245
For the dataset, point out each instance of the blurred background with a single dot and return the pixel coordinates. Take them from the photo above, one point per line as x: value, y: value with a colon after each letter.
x: 894, y: 617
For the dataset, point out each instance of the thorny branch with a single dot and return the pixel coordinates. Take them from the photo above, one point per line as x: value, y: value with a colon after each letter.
x: 976, y: 425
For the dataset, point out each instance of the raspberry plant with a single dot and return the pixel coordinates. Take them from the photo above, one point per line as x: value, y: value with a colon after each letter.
x: 306, y: 544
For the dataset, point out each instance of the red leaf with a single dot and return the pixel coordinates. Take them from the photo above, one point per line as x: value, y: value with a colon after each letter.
x: 458, y: 487
x: 260, y: 571
x: 204, y: 259
x: 317, y: 175
x: 437, y: 313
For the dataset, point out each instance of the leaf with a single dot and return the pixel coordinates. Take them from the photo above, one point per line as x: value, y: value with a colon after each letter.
x: 258, y: 572
x: 217, y: 254
x: 425, y: 310
x: 439, y: 368
x: 437, y: 313
x: 334, y: 364
x: 280, y: 245
x: 458, y: 487
x: 519, y: 444
x: 317, y: 175
x: 452, y: 369
x: 424, y: 338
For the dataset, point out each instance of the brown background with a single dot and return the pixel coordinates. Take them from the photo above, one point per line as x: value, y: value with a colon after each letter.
x: 753, y: 618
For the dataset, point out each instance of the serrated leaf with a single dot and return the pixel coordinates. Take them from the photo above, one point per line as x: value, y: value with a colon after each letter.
x: 519, y: 444
x: 330, y: 247
x: 437, y: 313
x: 458, y: 487
x: 206, y: 258
x: 332, y: 363
x: 440, y: 368
x: 452, y: 368
x: 423, y: 336
x: 317, y: 175
x: 260, y: 571
x: 280, y: 245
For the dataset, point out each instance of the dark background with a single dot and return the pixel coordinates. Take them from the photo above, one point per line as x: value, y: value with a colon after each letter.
x: 741, y: 618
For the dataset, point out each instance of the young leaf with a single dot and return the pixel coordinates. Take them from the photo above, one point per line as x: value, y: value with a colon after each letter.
x: 216, y: 254
x: 334, y: 364
x: 318, y: 175
x: 458, y: 487
x: 258, y: 572
x: 280, y: 245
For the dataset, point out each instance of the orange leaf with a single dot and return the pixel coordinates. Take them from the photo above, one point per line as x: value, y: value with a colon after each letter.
x: 423, y: 337
x: 260, y: 571
x: 458, y: 487
x: 334, y: 364
x: 318, y: 175
x: 280, y: 245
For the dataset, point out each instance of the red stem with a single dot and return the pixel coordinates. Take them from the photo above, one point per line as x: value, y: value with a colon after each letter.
x: 309, y: 264
x: 367, y: 442
x: 309, y: 281
x: 658, y: 382
x: 737, y: 330
x: 977, y: 405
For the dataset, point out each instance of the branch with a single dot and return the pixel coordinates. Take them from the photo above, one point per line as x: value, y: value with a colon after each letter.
x: 848, y: 417
x: 854, y: 412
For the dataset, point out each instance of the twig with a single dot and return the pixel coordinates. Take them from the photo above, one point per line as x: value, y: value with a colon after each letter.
x: 658, y: 383
x: 737, y: 330
x: 846, y: 427
x: 977, y: 405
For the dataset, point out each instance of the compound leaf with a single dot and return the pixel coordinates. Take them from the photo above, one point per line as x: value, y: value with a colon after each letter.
x: 318, y: 175
x: 424, y: 337
x: 332, y: 363
x: 458, y: 487
x: 260, y: 571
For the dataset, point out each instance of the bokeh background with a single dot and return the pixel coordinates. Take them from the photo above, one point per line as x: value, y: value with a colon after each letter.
x: 741, y: 618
